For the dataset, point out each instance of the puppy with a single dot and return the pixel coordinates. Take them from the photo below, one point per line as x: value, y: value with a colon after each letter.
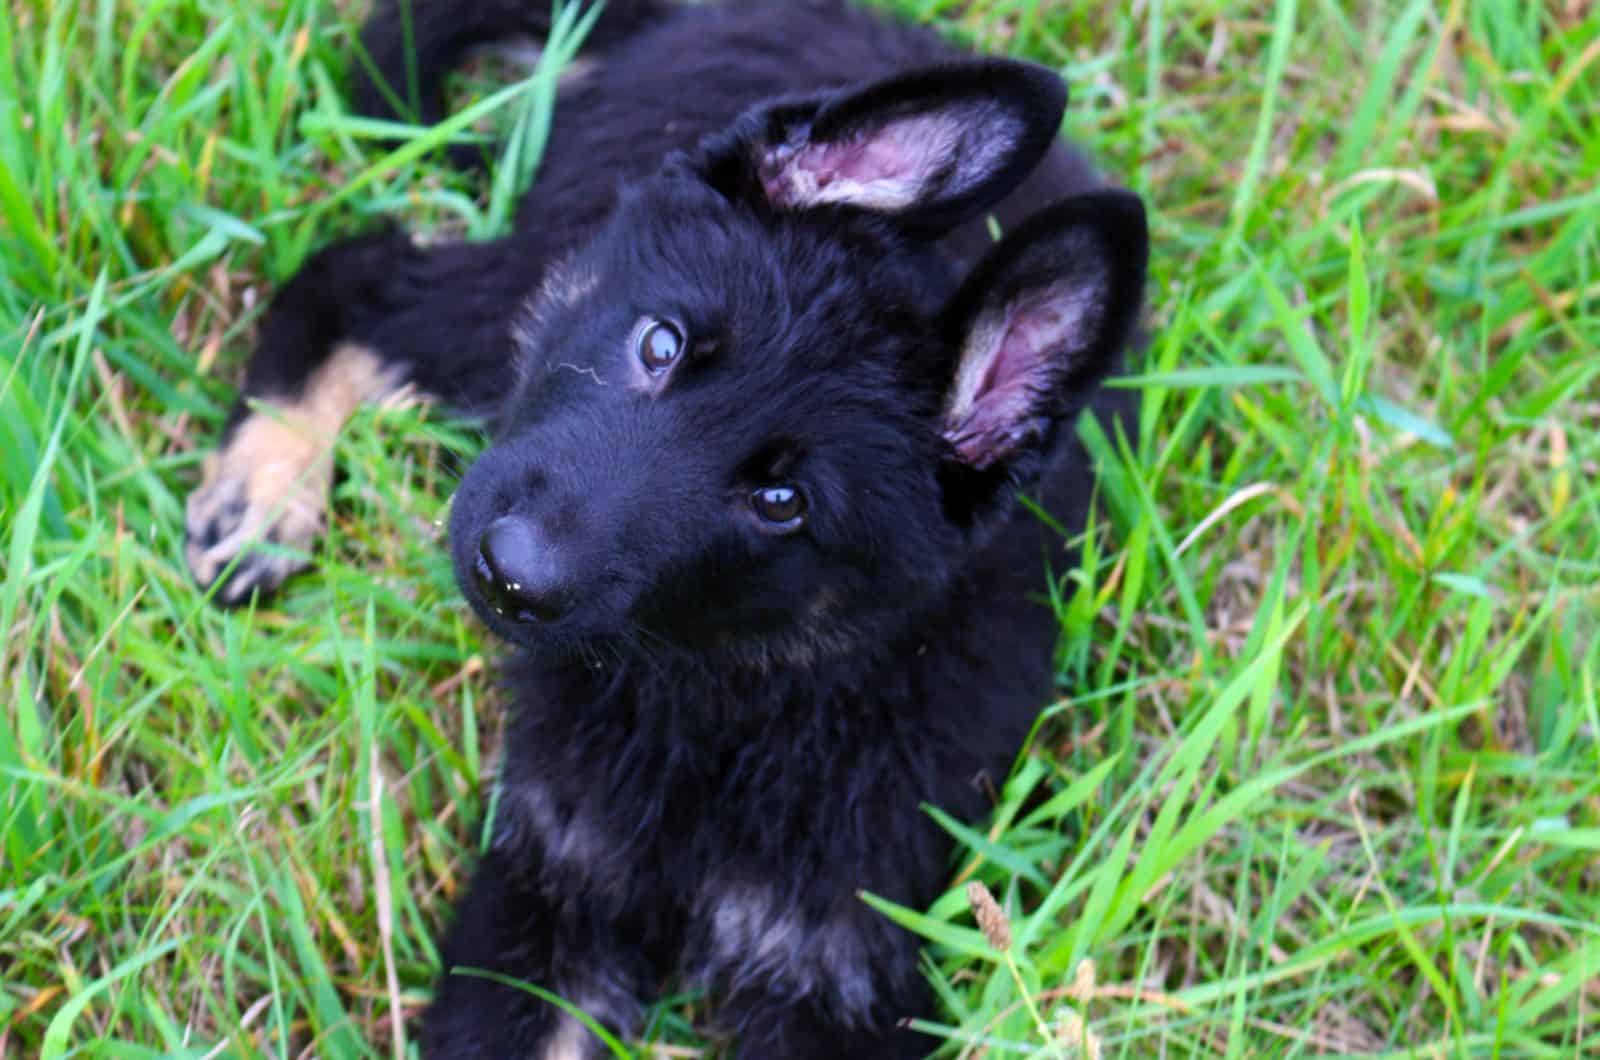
x: 765, y: 388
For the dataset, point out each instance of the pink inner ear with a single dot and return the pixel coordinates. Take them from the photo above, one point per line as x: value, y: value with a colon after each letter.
x: 888, y: 167
x: 910, y: 150
x: 1015, y: 361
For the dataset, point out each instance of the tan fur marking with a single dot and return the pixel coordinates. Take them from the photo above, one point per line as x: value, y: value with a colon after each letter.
x: 566, y: 285
x: 823, y: 602
x: 272, y: 477
x: 570, y: 1043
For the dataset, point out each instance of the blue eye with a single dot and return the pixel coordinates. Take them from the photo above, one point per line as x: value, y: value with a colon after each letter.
x: 658, y: 343
x: 783, y: 507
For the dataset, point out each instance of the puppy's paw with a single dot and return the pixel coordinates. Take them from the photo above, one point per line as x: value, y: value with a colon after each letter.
x: 263, y: 500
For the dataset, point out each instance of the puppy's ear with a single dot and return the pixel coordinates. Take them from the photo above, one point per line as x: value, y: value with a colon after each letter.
x: 1040, y: 322
x: 933, y: 147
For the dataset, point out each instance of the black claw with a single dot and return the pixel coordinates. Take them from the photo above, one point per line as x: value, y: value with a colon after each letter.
x: 227, y: 518
x: 256, y: 573
x: 245, y: 582
x: 221, y: 522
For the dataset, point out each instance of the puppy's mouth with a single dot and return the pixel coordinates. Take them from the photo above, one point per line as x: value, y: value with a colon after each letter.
x: 566, y: 637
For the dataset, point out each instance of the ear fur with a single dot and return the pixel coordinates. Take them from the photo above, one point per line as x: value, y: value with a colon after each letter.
x: 1042, y: 320
x: 932, y: 148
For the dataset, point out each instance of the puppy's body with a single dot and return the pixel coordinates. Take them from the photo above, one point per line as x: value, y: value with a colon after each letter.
x: 725, y: 725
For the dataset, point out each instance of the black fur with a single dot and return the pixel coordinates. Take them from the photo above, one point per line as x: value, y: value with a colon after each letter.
x: 725, y: 727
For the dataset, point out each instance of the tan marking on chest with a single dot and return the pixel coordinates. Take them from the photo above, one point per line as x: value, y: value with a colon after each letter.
x: 570, y: 1043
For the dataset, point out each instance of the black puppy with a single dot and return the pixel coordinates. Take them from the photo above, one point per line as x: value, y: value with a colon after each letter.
x: 766, y: 389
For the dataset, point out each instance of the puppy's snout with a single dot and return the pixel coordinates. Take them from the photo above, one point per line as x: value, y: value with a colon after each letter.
x: 520, y: 574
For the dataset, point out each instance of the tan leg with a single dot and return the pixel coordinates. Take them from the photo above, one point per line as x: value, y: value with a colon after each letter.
x: 269, y: 483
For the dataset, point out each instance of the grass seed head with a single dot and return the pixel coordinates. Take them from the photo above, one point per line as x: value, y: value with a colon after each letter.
x: 991, y: 919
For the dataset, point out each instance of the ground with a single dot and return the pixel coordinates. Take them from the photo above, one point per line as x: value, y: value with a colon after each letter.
x: 1324, y: 774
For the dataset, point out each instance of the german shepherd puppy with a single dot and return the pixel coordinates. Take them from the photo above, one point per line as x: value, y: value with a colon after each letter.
x: 765, y: 388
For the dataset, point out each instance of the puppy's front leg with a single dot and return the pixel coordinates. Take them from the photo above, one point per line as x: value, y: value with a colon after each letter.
x: 361, y: 318
x: 510, y: 926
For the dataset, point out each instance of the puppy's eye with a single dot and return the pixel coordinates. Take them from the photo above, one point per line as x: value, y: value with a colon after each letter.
x: 658, y: 343
x: 781, y: 507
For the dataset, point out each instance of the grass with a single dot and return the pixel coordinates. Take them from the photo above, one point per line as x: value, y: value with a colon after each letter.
x: 1324, y: 776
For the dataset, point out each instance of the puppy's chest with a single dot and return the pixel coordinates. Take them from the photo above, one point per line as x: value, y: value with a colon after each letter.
x: 607, y: 803
x: 765, y: 895
x: 665, y: 823
x: 754, y: 844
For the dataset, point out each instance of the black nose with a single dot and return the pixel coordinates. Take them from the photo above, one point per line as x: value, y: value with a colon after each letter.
x: 518, y: 573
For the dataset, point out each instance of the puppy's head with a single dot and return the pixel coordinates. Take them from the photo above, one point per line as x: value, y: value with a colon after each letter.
x: 755, y: 415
